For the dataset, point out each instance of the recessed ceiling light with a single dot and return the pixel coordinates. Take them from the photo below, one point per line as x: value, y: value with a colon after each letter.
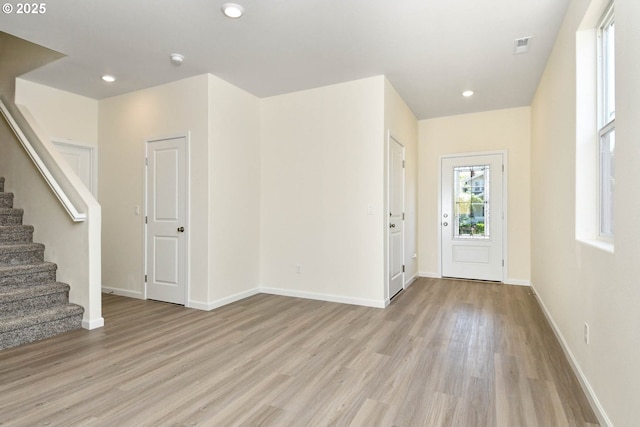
x: 521, y: 45
x: 232, y: 10
x: 467, y: 93
x: 176, y: 58
x: 109, y: 78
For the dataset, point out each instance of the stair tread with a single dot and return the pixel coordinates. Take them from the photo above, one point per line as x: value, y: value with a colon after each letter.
x: 8, y: 211
x: 6, y: 200
x: 27, y: 268
x: 21, y: 247
x: 13, y: 228
x: 14, y: 234
x: 33, y: 304
x: 12, y: 323
x: 13, y: 293
x: 21, y: 253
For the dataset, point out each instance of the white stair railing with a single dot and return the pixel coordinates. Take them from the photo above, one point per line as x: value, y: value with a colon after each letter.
x: 62, y: 188
x: 78, y: 243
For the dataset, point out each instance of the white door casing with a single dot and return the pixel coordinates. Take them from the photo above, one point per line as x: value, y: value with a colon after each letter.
x: 166, y: 219
x: 472, y: 216
x: 395, y: 229
x: 82, y: 158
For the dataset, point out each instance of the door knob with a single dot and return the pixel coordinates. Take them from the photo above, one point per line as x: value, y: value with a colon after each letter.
x: 392, y: 226
x: 180, y: 229
x: 445, y: 223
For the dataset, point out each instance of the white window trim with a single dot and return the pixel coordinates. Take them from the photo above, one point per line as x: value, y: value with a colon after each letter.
x: 605, y: 125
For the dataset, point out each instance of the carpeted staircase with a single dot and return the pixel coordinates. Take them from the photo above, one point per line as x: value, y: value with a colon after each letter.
x: 33, y: 305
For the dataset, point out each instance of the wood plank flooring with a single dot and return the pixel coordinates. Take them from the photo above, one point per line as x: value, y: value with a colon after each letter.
x: 444, y: 353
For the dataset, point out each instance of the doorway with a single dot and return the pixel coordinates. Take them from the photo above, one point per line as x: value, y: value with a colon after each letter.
x: 166, y: 217
x: 472, y: 216
x: 395, y: 228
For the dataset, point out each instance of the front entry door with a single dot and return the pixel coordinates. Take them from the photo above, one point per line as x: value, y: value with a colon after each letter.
x: 472, y: 217
x: 396, y: 217
x: 167, y: 220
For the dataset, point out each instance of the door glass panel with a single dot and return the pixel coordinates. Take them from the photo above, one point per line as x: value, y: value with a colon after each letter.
x: 471, y: 202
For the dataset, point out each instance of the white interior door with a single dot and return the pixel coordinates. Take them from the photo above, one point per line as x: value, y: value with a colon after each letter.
x: 396, y: 217
x: 472, y: 217
x: 81, y: 158
x: 167, y: 220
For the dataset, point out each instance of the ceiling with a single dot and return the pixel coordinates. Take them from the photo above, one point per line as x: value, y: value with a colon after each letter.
x: 429, y: 50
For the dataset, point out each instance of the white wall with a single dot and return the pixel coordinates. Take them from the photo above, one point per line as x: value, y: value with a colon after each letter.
x: 492, y: 130
x: 223, y: 124
x: 333, y: 177
x: 234, y: 192
x: 322, y: 164
x: 576, y: 281
x: 74, y: 247
x: 400, y: 121
x: 63, y: 115
x: 67, y: 243
x: 125, y: 123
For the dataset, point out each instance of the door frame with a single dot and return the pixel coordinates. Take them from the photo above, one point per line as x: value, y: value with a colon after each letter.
x: 387, y: 264
x: 93, y: 153
x: 187, y: 220
x: 505, y: 204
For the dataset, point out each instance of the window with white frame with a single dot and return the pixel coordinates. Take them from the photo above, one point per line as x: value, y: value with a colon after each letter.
x: 606, y: 122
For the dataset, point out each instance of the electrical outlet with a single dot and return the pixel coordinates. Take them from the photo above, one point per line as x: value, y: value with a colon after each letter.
x: 586, y: 333
x: 298, y: 269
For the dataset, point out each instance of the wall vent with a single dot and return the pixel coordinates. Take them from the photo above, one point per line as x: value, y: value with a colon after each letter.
x: 521, y: 45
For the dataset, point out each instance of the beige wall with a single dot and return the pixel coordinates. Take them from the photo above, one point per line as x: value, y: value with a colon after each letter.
x: 223, y: 125
x: 488, y: 131
x: 226, y: 146
x: 67, y: 243
x: 61, y: 114
x: 234, y: 192
x: 576, y: 281
x: 73, y: 246
x: 125, y: 123
x: 322, y: 165
x: 403, y: 126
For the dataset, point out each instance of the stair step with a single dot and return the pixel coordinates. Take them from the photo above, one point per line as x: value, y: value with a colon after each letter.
x: 13, y: 234
x: 33, y: 306
x: 6, y: 200
x: 11, y: 216
x: 39, y: 324
x: 26, y: 274
x: 22, y: 299
x: 25, y: 253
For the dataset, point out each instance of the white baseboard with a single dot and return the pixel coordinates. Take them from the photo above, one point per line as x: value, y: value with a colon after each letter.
x: 429, y: 275
x: 410, y: 281
x: 93, y: 323
x: 324, y: 297
x: 208, y: 306
x: 582, y: 379
x: 211, y: 305
x: 122, y: 292
x: 517, y: 282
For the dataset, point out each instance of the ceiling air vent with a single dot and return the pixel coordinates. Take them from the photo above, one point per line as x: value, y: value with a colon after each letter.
x: 521, y: 45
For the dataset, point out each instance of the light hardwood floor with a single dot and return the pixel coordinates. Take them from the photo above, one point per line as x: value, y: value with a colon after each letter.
x: 444, y: 353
